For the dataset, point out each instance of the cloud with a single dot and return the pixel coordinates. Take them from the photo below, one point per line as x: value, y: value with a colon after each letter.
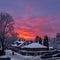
x: 29, y: 27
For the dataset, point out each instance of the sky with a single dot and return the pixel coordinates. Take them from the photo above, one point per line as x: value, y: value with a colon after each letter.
x: 34, y: 17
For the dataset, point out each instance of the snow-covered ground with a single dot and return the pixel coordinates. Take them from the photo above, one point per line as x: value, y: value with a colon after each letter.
x: 17, y: 56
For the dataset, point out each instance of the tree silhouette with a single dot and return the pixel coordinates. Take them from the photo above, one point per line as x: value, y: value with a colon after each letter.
x: 38, y: 39
x: 6, y: 26
x: 45, y: 42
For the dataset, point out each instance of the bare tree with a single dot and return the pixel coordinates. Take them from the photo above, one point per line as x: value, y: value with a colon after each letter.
x: 6, y: 26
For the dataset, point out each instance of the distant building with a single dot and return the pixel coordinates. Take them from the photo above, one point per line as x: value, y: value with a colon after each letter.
x: 58, y: 36
x: 33, y: 49
x: 51, y: 43
x: 55, y: 42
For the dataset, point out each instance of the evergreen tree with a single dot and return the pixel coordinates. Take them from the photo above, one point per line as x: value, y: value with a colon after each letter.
x: 40, y: 40
x: 37, y: 39
x: 45, y: 42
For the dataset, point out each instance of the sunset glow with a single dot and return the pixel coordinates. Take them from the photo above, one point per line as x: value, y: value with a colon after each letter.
x: 33, y: 17
x: 26, y: 37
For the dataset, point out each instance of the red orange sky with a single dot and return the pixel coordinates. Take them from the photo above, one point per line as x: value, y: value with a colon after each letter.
x: 29, y: 28
x: 34, y: 17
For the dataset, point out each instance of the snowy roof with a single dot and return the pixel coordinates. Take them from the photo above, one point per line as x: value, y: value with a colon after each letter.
x: 16, y: 45
x: 19, y: 41
x: 34, y: 45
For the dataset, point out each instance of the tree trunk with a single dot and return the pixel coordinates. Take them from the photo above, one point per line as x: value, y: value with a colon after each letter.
x: 2, y: 42
x: 2, y: 46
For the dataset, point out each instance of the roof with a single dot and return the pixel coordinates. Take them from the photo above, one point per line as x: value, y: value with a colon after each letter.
x: 19, y: 41
x: 34, y: 45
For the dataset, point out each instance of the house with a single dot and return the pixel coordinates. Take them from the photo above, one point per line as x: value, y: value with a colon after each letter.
x: 17, y: 43
x: 35, y: 47
x: 32, y: 49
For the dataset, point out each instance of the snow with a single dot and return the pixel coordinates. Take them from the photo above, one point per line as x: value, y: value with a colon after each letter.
x: 20, y: 42
x: 34, y: 45
x: 15, y: 43
x: 50, y: 47
x: 17, y: 56
x: 4, y: 56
